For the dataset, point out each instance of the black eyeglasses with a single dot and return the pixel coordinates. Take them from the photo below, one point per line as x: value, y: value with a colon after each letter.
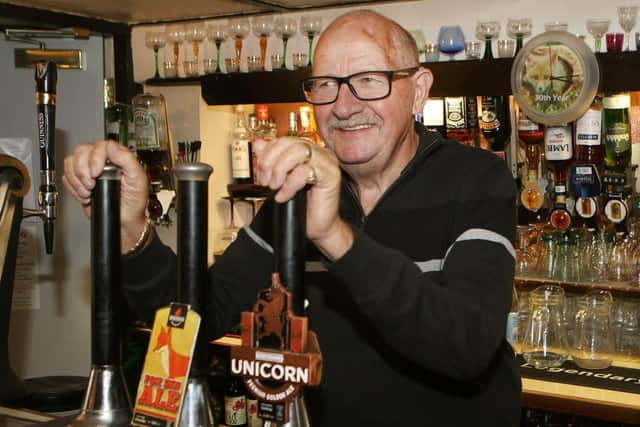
x: 366, y: 85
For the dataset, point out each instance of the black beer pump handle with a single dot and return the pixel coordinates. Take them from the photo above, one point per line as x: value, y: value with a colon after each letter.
x: 192, y: 209
x: 46, y: 78
x: 105, y: 267
x: 289, y: 250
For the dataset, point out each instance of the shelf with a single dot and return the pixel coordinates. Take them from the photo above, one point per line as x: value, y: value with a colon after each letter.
x: 618, y: 72
x: 616, y: 289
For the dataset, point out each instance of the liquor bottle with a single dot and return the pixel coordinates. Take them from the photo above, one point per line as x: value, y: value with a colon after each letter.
x: 241, y: 151
x: 585, y: 183
x: 253, y: 420
x: 293, y: 124
x: 116, y: 116
x: 560, y: 218
x: 235, y: 403
x: 615, y: 207
x: 306, y: 127
x: 153, y: 142
x: 461, y: 119
x: 616, y: 130
x: 532, y: 134
x: 558, y: 148
x: 263, y: 130
x: 494, y: 121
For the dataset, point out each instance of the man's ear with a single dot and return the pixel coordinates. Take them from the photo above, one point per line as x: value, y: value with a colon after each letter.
x: 424, y: 80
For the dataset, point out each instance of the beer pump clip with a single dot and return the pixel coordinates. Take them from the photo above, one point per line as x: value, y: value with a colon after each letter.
x: 279, y: 354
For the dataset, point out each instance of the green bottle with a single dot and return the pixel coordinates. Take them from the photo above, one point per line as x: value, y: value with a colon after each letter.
x: 617, y: 131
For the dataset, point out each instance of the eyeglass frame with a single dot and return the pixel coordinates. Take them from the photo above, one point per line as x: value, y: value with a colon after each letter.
x: 391, y: 75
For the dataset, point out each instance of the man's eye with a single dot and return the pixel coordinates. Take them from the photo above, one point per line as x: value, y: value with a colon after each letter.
x: 324, y: 84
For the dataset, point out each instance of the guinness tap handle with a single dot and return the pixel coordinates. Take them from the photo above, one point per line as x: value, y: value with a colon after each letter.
x: 46, y: 77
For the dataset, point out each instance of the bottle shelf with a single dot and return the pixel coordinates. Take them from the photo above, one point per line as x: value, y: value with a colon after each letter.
x: 617, y: 289
x: 618, y: 72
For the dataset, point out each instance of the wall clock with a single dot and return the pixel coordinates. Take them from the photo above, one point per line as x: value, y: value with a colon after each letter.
x: 554, y: 78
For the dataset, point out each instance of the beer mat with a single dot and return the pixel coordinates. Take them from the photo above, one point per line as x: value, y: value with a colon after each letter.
x: 59, y: 422
x: 612, y: 378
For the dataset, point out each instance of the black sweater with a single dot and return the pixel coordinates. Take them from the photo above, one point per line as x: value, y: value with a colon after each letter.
x: 411, y: 320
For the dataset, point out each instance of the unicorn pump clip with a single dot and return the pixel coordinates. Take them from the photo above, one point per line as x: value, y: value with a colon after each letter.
x: 279, y: 355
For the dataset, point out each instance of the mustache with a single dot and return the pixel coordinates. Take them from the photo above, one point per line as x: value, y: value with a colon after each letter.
x: 353, y: 122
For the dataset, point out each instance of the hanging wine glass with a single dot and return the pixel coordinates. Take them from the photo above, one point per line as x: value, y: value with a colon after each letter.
x: 262, y: 28
x: 229, y: 233
x: 519, y: 29
x: 487, y: 31
x: 195, y: 33
x: 175, y: 35
x: 285, y: 28
x: 155, y: 40
x: 310, y: 25
x: 627, y: 16
x: 450, y: 40
x: 238, y: 29
x: 217, y: 34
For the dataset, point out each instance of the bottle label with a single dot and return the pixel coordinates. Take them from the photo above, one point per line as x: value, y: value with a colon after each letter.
x: 146, y: 126
x: 618, y: 137
x: 240, y: 159
x: 557, y: 143
x: 252, y: 413
x: 235, y: 410
x: 454, y: 108
x: 524, y: 124
x: 489, y: 120
x: 589, y: 128
x: 616, y: 102
x: 262, y: 112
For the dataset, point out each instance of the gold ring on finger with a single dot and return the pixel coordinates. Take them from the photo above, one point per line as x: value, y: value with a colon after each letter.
x: 308, y: 153
x: 312, y: 177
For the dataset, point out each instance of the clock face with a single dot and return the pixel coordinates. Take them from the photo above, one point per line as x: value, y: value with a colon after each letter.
x: 554, y: 78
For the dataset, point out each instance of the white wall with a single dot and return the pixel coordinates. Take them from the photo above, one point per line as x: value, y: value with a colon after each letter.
x: 55, y: 339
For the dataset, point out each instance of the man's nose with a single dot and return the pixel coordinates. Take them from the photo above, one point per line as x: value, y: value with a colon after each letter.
x: 346, y: 102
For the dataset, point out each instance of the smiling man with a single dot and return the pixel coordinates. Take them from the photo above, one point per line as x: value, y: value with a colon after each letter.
x: 411, y: 259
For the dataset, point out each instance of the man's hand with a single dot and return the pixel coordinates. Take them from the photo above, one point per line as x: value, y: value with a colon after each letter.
x: 87, y: 162
x: 287, y: 165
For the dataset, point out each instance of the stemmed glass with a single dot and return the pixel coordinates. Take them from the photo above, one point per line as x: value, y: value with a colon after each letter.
x: 217, y: 34
x: 176, y: 35
x: 229, y: 233
x: 285, y: 28
x: 627, y: 17
x: 487, y: 31
x: 238, y: 29
x: 450, y: 40
x: 597, y: 28
x: 262, y: 28
x: 155, y: 40
x: 195, y: 34
x: 519, y: 29
x: 310, y: 25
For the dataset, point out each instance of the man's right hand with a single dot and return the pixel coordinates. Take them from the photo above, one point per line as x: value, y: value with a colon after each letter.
x: 87, y: 162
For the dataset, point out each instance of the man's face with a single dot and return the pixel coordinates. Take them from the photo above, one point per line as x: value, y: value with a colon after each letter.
x: 358, y: 131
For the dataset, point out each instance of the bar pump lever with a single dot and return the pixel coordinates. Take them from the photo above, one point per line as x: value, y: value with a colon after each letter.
x: 106, y: 400
x: 46, y: 78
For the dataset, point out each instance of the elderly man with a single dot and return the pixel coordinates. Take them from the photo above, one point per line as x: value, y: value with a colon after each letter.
x: 413, y: 233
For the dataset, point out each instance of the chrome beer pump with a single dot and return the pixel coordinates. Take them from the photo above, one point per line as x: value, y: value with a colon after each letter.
x: 192, y: 209
x: 279, y: 354
x: 106, y: 401
x: 46, y: 77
